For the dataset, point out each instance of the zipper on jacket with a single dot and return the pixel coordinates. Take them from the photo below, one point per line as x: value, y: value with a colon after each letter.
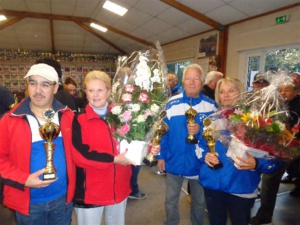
x: 113, y: 148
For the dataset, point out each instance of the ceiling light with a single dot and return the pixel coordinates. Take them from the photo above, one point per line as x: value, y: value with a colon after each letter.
x: 2, y: 17
x: 113, y: 7
x: 98, y: 27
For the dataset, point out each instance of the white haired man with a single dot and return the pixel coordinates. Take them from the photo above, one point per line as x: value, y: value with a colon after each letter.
x: 211, y: 80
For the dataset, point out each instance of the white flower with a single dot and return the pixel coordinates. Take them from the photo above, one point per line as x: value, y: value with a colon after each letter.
x: 281, y: 125
x: 116, y: 110
x: 135, y: 107
x: 156, y: 72
x: 254, y: 114
x: 155, y: 79
x: 140, y: 119
x: 154, y: 108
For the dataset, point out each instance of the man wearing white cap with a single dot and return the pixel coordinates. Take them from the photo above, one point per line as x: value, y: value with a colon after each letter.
x: 35, y: 199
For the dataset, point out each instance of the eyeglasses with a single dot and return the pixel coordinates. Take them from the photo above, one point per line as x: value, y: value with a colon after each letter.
x: 44, y: 85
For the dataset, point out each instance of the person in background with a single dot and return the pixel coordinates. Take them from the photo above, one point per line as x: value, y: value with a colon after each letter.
x: 177, y: 157
x: 260, y: 81
x: 296, y: 77
x: 103, y: 175
x: 23, y: 157
x: 70, y: 86
x: 6, y: 100
x: 230, y: 189
x: 174, y: 85
x: 62, y: 95
x: 271, y: 182
x: 210, y: 83
x: 290, y: 94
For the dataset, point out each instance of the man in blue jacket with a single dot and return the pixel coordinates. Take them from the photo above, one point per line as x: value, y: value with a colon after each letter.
x: 179, y: 158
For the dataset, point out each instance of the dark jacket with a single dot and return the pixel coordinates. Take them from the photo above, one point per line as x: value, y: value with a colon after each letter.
x: 6, y: 99
x: 294, y: 109
x: 208, y: 91
x: 66, y: 98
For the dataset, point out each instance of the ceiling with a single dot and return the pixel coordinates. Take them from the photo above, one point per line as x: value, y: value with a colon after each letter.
x: 63, y: 25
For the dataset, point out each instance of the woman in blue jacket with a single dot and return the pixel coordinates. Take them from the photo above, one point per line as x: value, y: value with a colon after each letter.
x: 232, y: 188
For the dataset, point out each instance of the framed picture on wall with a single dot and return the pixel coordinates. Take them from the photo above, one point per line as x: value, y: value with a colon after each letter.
x: 208, y: 45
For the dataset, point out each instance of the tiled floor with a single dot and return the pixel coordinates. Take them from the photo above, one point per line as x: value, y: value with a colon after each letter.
x: 151, y: 210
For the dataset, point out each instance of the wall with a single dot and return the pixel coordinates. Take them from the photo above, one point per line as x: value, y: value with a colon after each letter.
x: 12, y: 72
x: 260, y: 33
x: 253, y: 34
x: 185, y: 49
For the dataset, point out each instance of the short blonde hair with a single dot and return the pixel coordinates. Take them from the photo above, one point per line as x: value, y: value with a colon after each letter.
x: 194, y: 67
x: 97, y: 75
x: 233, y: 82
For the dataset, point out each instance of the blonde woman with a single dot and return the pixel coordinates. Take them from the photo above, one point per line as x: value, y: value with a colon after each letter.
x: 231, y: 190
x: 103, y: 174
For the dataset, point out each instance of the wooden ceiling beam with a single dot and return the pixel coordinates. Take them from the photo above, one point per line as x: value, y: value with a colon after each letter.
x: 10, y: 22
x: 52, y: 37
x: 87, y: 28
x: 80, y: 20
x: 194, y: 14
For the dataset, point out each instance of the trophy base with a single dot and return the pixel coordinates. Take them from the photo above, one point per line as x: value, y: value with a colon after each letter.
x: 149, y: 163
x: 49, y: 176
x: 192, y: 141
x: 216, y: 166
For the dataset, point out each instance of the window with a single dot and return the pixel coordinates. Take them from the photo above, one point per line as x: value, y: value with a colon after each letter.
x: 177, y: 68
x: 269, y: 59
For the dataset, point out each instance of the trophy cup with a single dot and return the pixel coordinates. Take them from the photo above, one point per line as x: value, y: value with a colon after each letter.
x: 49, y: 131
x: 191, y: 114
x: 211, y: 142
x: 160, y: 128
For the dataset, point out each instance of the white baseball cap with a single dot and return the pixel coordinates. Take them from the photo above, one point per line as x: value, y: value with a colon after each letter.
x: 43, y: 70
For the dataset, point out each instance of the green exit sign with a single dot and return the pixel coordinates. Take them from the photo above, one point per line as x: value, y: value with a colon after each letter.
x: 282, y: 19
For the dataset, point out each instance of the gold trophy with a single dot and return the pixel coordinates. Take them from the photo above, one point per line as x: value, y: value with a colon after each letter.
x: 191, y: 114
x: 160, y: 128
x: 211, y: 142
x: 49, y: 131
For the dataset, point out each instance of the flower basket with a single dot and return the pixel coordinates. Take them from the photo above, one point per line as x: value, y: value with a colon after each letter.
x: 139, y: 93
x: 258, y: 123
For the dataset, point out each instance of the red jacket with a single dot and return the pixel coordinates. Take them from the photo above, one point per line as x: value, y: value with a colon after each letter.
x: 99, y: 180
x: 15, y: 151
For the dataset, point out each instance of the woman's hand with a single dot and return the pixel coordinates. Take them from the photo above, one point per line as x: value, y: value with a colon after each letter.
x: 122, y: 160
x: 211, y: 159
x: 245, y: 164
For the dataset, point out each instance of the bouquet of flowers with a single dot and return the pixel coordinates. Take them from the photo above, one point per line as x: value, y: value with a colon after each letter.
x: 139, y: 92
x: 258, y: 124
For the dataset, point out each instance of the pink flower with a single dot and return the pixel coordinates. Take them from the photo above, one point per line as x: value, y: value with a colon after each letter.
x: 126, y: 98
x: 124, y: 129
x: 127, y: 116
x: 143, y: 97
x: 129, y: 88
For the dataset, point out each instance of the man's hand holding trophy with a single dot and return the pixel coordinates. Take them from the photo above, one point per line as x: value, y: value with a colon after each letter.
x: 191, y: 114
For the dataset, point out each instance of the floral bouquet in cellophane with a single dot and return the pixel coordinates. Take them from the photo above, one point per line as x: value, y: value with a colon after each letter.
x: 139, y: 92
x: 258, y: 124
